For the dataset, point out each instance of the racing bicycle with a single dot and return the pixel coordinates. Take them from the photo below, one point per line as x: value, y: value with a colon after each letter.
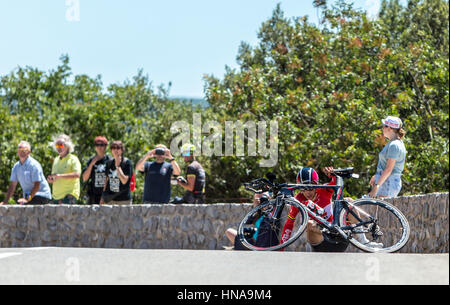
x: 384, y: 227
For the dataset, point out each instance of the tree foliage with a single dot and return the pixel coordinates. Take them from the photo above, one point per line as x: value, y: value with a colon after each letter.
x: 37, y: 106
x: 327, y: 86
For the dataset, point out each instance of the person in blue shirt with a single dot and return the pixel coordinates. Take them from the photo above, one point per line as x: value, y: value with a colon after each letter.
x: 28, y: 172
x: 157, y: 186
x: 391, y: 161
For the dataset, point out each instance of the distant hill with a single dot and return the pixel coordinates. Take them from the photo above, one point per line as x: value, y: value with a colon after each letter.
x: 195, y: 101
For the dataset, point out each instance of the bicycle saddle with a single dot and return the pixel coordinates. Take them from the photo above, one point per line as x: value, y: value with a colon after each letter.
x: 345, y: 172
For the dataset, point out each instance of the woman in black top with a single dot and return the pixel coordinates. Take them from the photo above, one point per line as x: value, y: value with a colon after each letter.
x: 118, y: 175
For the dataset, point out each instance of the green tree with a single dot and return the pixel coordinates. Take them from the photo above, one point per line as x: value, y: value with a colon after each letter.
x: 327, y: 86
x: 37, y: 106
x: 330, y: 87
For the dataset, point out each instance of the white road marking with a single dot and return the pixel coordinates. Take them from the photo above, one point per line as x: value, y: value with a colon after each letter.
x: 5, y: 255
x: 36, y: 248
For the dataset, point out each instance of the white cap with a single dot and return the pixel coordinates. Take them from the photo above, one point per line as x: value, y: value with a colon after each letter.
x: 393, y: 122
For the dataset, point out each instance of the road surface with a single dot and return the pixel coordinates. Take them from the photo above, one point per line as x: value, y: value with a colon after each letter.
x: 202, y: 267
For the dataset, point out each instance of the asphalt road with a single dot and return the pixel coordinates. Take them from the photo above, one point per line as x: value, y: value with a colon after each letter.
x: 201, y: 267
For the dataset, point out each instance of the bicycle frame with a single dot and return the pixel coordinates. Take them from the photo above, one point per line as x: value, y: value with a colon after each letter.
x: 351, y: 220
x: 338, y: 204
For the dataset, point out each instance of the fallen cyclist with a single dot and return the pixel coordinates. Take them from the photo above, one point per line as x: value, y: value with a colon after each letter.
x: 321, y: 197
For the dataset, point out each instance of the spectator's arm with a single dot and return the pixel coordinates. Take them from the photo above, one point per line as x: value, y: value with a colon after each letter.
x: 140, y: 166
x: 11, y: 190
x: 35, y: 189
x: 387, y: 171
x: 176, y: 168
x: 87, y: 173
x: 190, y: 183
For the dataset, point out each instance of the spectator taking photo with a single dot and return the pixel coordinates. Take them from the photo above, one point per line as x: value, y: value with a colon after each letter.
x: 158, y: 173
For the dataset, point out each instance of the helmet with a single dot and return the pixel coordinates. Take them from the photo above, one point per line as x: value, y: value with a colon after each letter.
x: 307, y: 175
x: 187, y: 150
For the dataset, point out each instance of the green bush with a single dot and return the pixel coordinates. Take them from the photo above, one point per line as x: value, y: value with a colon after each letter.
x: 327, y: 86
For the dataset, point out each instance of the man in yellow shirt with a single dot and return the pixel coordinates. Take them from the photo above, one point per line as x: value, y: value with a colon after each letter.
x: 66, y: 173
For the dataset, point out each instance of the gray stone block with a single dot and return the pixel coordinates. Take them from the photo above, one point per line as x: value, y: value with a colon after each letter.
x: 184, y: 226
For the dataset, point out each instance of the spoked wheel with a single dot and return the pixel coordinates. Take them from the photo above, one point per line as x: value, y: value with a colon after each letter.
x: 261, y: 228
x: 375, y: 226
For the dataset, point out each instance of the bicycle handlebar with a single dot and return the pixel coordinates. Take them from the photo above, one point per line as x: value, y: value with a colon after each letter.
x: 262, y: 185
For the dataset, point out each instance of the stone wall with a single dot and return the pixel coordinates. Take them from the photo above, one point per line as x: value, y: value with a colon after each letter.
x: 183, y: 226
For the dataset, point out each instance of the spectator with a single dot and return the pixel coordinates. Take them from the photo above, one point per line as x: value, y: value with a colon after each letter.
x: 95, y: 171
x: 158, y: 174
x: 118, y: 175
x: 66, y: 172
x: 387, y: 181
x: 28, y: 172
x: 195, y: 174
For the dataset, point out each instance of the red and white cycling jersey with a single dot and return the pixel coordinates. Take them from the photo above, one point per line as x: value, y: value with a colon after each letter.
x: 323, y: 200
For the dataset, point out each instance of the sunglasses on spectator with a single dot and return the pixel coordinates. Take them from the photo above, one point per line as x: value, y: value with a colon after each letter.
x: 59, y: 145
x: 116, y: 147
x: 23, y: 149
x: 100, y: 144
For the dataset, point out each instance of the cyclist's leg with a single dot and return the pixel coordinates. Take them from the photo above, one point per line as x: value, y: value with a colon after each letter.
x: 321, y: 242
x: 360, y: 237
x: 331, y: 245
x: 231, y: 234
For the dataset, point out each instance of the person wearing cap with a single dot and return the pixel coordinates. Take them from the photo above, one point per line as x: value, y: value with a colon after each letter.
x: 157, y: 186
x: 195, y: 174
x: 119, y: 171
x: 391, y: 161
x: 94, y: 173
x: 28, y: 173
x: 66, y: 171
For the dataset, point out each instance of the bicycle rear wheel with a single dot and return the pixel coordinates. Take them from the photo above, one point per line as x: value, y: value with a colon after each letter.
x: 261, y: 229
x: 375, y: 226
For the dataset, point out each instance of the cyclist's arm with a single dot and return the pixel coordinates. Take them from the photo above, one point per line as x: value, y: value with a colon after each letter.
x: 332, y: 181
x: 287, y: 229
x: 328, y: 171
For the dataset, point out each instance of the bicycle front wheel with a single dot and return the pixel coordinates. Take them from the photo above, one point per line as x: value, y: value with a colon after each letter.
x: 375, y: 226
x: 262, y: 227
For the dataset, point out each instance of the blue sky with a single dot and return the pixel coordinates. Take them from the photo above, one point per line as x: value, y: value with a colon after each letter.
x: 172, y: 41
